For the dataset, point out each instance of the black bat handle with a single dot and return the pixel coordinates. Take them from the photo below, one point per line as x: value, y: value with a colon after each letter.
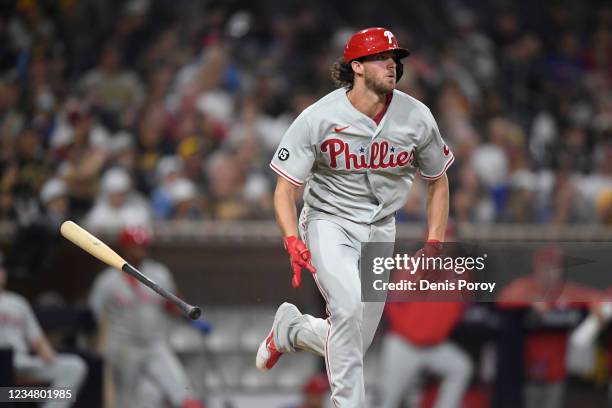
x: 193, y: 312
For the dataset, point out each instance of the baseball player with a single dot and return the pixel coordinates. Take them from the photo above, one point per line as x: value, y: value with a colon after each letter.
x: 357, y: 151
x: 20, y: 331
x: 134, y: 320
x: 553, y: 308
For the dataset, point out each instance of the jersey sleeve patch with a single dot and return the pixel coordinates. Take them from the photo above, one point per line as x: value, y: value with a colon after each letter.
x: 285, y: 175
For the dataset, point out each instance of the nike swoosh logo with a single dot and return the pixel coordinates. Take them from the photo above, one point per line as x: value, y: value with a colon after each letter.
x: 340, y: 129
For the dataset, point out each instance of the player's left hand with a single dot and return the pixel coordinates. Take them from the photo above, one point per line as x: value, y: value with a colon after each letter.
x: 431, y: 249
x: 300, y: 258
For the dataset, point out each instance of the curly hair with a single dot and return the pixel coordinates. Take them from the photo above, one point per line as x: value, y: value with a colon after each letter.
x: 342, y: 74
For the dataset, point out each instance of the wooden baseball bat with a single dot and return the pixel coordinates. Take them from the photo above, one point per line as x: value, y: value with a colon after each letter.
x: 88, y: 242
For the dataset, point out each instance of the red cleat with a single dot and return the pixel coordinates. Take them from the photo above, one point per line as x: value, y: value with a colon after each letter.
x: 267, y: 355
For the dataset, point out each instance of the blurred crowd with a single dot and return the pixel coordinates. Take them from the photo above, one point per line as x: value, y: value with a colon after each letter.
x: 146, y: 109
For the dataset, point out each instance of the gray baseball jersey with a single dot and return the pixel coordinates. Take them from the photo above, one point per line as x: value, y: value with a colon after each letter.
x: 355, y: 168
x: 135, y: 313
x: 18, y: 325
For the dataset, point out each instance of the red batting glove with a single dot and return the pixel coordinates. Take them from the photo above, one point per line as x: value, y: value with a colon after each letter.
x: 299, y: 256
x: 432, y: 249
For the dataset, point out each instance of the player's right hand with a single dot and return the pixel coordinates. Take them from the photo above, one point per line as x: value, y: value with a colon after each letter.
x: 299, y: 256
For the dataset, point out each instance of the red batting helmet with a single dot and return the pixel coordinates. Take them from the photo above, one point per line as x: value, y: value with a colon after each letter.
x: 372, y: 41
x: 134, y: 236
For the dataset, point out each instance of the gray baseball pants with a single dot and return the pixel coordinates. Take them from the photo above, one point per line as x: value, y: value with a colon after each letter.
x: 343, y: 338
x: 544, y: 395
x: 403, y: 365
x: 67, y: 371
x: 130, y: 363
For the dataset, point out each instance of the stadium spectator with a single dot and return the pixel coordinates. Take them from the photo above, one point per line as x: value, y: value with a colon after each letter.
x: 118, y: 205
x: 33, y: 248
x: 79, y: 147
x: 169, y: 169
x: 111, y: 87
x: 187, y: 204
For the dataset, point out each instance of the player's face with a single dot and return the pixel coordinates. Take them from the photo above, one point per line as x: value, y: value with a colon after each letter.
x: 379, y: 72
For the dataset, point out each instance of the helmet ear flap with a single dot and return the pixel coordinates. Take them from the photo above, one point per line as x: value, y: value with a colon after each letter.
x: 399, y: 70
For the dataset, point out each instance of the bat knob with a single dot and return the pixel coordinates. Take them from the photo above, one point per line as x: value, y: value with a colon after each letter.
x: 194, y: 313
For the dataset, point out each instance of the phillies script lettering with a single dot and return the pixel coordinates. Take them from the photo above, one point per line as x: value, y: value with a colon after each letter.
x: 380, y: 157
